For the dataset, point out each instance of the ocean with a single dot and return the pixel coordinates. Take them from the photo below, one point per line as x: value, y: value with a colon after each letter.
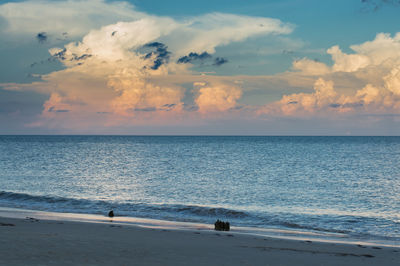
x: 349, y: 186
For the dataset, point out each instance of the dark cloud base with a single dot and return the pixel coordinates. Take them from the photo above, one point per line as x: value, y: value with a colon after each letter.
x: 193, y: 58
x: 161, y: 54
x: 41, y: 37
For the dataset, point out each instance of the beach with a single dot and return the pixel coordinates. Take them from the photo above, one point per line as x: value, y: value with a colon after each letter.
x: 32, y: 241
x: 289, y: 200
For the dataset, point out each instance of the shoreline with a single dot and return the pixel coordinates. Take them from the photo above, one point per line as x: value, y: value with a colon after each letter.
x: 149, y: 223
x: 34, y: 241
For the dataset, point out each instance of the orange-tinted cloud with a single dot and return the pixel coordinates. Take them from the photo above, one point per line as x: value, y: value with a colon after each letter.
x: 217, y: 98
x: 111, y: 74
x: 375, y: 64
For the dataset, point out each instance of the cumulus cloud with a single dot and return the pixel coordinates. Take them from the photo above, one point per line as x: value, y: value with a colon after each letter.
x: 55, y: 104
x: 138, y: 94
x: 137, y: 70
x: 379, y: 97
x: 133, y: 69
x: 310, y: 67
x: 392, y: 80
x: 347, y: 62
x: 383, y: 49
x: 382, y: 53
x: 104, y: 45
x: 110, y: 56
x: 375, y: 63
x: 304, y: 103
x: 217, y: 98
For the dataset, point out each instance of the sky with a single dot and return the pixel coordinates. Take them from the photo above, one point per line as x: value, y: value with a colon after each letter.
x: 156, y: 67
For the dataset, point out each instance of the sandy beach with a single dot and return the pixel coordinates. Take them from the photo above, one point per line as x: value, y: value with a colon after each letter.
x: 31, y: 241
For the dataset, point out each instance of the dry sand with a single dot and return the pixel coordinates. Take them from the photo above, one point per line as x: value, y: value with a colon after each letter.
x: 45, y: 242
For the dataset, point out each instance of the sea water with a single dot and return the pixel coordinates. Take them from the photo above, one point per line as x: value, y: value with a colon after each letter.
x: 339, y: 185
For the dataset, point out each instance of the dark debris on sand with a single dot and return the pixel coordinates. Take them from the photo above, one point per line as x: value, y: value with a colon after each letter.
x: 221, y: 226
x: 6, y: 224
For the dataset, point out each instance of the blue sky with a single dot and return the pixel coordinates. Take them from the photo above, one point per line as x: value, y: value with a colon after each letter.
x: 269, y: 67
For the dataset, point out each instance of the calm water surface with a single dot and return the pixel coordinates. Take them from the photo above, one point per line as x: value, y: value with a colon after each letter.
x: 346, y: 185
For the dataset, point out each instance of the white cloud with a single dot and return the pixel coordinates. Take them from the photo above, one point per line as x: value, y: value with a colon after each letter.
x: 384, y: 49
x: 310, y: 67
x: 117, y: 41
x: 368, y: 94
x: 76, y: 17
x: 304, y: 103
x: 347, y: 62
x: 392, y: 80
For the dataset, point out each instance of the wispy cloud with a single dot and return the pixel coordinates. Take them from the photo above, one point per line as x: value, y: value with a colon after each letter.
x: 220, y: 61
x: 375, y: 5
